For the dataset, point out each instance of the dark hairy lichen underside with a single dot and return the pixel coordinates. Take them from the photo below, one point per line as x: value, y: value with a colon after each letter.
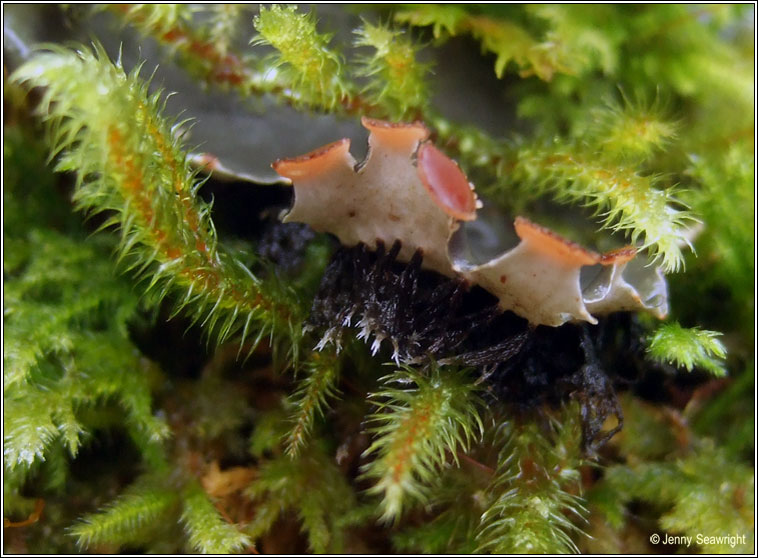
x: 421, y: 316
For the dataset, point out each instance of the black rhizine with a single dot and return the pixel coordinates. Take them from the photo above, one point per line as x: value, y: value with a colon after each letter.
x: 423, y: 315
x: 284, y: 244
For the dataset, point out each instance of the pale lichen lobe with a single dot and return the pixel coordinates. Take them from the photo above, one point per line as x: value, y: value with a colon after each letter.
x: 383, y: 198
x: 407, y: 190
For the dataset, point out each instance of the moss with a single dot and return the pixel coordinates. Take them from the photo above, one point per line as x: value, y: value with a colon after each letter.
x: 494, y: 437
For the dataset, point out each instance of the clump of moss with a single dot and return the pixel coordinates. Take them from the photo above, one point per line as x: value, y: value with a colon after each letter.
x: 191, y: 352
